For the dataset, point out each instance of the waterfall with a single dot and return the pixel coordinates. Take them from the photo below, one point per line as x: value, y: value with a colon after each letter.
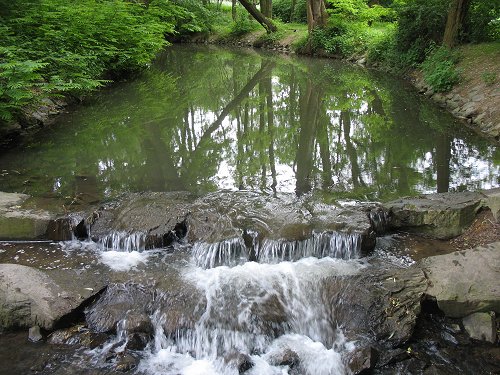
x: 380, y: 220
x: 234, y: 251
x: 258, y: 313
x: 123, y: 241
x: 225, y: 253
x: 319, y: 245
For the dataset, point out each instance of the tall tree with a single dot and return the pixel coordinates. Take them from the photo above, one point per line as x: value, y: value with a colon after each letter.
x: 316, y: 14
x: 259, y: 17
x: 266, y: 7
x: 456, y: 15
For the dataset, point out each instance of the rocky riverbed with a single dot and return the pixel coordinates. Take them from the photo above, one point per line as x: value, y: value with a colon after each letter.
x: 229, y: 276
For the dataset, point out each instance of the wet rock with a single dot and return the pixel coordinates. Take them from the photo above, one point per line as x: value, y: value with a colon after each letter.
x: 440, y: 216
x: 137, y: 341
x: 30, y: 297
x: 125, y: 362
x: 17, y: 223
x: 239, y: 361
x: 384, y: 303
x: 481, y: 326
x: 77, y: 335
x: 60, y: 229
x: 165, y: 218
x: 388, y: 357
x: 34, y: 334
x: 138, y: 323
x: 465, y: 282
x: 288, y: 358
x: 363, y: 360
x: 116, y: 303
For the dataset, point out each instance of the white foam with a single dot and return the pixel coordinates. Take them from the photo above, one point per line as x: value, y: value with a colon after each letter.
x: 122, y: 260
x: 168, y: 362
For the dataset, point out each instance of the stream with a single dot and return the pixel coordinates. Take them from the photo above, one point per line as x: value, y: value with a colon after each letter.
x: 231, y: 220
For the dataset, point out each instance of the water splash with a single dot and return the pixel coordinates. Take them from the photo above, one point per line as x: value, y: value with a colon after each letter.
x: 260, y: 313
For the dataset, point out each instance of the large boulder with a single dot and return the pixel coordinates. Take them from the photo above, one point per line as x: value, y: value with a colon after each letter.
x: 18, y: 223
x: 492, y: 201
x: 31, y: 297
x: 441, y: 216
x: 465, y: 282
x: 385, y: 303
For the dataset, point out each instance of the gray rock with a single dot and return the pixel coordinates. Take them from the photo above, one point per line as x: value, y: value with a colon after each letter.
x: 439, y: 98
x: 385, y: 303
x: 30, y: 297
x: 477, y: 97
x: 492, y: 201
x: 465, y: 282
x: 469, y: 110
x: 440, y: 216
x: 18, y: 223
x: 34, y: 334
x: 217, y: 217
x: 479, y: 119
x: 363, y: 360
x: 452, y: 104
x: 481, y: 326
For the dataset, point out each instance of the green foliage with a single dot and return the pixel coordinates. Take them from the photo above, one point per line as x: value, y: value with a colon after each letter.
x: 282, y: 9
x: 348, y: 9
x: 440, y: 70
x: 420, y: 22
x: 339, y: 37
x: 52, y: 46
x: 19, y: 81
x: 243, y: 24
x: 483, y: 21
x: 194, y: 17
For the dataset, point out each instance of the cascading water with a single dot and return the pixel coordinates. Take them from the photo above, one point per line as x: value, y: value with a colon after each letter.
x: 234, y: 251
x: 267, y: 318
x: 123, y: 241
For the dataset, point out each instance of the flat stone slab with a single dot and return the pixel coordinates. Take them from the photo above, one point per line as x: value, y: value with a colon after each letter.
x: 20, y: 224
x: 30, y: 297
x: 465, y: 282
x: 441, y: 216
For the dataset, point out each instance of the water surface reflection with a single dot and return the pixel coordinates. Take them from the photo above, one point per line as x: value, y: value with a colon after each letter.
x: 203, y: 119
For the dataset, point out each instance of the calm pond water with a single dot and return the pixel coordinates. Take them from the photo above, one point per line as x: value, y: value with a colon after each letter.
x: 203, y: 119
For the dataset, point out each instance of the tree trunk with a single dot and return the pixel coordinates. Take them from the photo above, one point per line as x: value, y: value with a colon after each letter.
x: 266, y: 23
x: 266, y: 7
x: 456, y: 16
x: 292, y: 10
x: 233, y: 9
x: 316, y: 14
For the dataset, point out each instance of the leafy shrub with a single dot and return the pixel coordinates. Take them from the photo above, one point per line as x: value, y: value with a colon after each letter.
x: 340, y: 37
x: 421, y: 22
x: 483, y: 21
x: 348, y: 9
x: 439, y: 69
x: 192, y: 16
x: 53, y: 46
x: 282, y: 9
x: 243, y: 24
